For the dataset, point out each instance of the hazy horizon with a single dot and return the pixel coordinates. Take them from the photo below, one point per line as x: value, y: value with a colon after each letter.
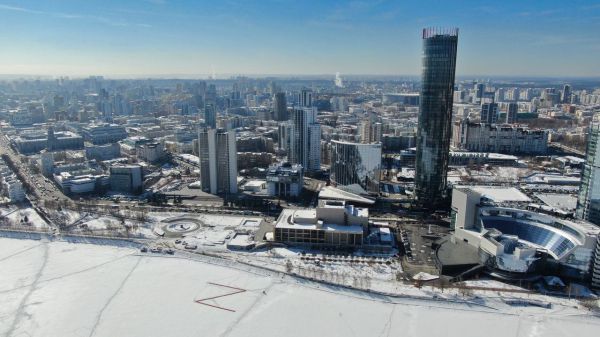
x: 142, y: 38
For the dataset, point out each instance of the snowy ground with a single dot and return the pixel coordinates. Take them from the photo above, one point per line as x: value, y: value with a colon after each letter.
x: 66, y: 289
x: 17, y: 216
x: 214, y: 231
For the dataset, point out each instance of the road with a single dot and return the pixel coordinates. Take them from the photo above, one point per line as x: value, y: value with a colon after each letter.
x: 42, y: 187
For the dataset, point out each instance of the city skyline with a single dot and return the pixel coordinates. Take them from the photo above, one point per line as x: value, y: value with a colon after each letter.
x: 184, y: 38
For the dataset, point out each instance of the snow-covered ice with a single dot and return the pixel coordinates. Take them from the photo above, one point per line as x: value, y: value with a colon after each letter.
x: 66, y: 289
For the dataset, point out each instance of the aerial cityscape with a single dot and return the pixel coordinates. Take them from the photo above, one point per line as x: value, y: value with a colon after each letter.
x: 252, y: 189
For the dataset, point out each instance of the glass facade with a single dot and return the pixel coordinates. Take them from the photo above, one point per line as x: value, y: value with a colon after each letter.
x: 354, y: 163
x: 435, y: 116
x: 588, y: 201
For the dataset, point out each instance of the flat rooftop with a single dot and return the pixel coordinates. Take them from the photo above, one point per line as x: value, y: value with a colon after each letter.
x: 501, y: 194
x: 286, y: 220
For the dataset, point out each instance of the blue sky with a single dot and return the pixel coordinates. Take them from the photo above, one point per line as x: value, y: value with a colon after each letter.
x: 156, y: 37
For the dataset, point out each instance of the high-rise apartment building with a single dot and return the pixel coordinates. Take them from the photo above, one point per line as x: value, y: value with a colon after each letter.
x: 435, y: 116
x: 280, y: 112
x: 305, y: 134
x: 218, y: 161
x: 511, y: 113
x: 489, y: 113
x: 588, y: 201
x: 370, y: 132
x: 499, y: 95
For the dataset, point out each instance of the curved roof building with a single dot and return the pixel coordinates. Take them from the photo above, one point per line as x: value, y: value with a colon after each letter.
x: 356, y: 164
x: 512, y: 241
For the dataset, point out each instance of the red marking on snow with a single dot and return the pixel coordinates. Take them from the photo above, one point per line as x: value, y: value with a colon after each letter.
x: 236, y: 291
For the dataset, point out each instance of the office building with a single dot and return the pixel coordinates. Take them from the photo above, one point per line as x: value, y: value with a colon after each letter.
x: 126, y: 178
x: 506, y: 139
x: 479, y: 92
x: 64, y: 140
x: 210, y: 96
x: 411, y: 99
x: 103, y: 152
x: 76, y: 183
x: 280, y: 112
x: 285, y: 180
x: 435, y: 116
x: 151, y: 152
x: 566, y: 94
x: 356, y: 164
x: 588, y: 201
x: 210, y: 116
x: 511, y: 113
x: 332, y: 223
x: 305, y: 98
x: 489, y: 113
x: 218, y: 161
x: 99, y: 134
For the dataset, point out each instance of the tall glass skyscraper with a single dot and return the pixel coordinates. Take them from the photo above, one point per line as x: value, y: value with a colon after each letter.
x: 435, y: 116
x: 355, y: 163
x: 588, y: 201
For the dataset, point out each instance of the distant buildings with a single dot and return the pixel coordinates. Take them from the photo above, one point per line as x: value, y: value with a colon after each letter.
x: 411, y: 99
x: 285, y: 180
x: 218, y: 161
x: 588, y: 201
x: 435, y: 116
x: 126, y: 178
x: 339, y: 103
x: 103, y: 133
x: 32, y: 141
x: 356, y: 164
x: 507, y: 139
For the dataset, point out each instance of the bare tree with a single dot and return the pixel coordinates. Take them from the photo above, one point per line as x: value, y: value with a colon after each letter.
x: 289, y: 267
